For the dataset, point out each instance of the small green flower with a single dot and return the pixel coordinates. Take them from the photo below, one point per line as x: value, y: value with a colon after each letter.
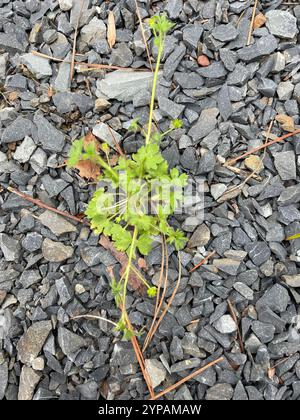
x: 152, y: 291
x: 105, y: 148
x: 176, y: 124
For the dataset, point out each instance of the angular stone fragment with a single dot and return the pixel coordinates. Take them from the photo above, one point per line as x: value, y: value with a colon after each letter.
x: 259, y: 252
x: 173, y: 61
x: 25, y: 150
x: 56, y: 251
x: 225, y: 33
x: 18, y: 130
x: 205, y: 124
x: 290, y: 195
x: 281, y: 23
x: 227, y: 265
x: 264, y: 46
x: 39, y: 66
x: 69, y: 342
x: 200, y: 237
x: 285, y: 164
x: 93, y: 32
x: 31, y: 343
x: 224, y: 103
x: 10, y: 247
x: 275, y: 298
x: 292, y: 280
x: 222, y: 391
x: 124, y: 85
x: 107, y: 134
x: 156, y: 371
x: 28, y: 381
x: 50, y: 138
x: 56, y: 223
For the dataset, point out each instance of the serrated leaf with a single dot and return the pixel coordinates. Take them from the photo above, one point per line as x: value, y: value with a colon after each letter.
x: 144, y: 244
x: 111, y: 29
x: 177, y: 238
x: 75, y: 153
x: 121, y: 237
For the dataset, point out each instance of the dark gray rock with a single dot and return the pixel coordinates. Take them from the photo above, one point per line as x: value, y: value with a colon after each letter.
x: 285, y: 164
x: 192, y: 34
x: 267, y: 87
x: 225, y: 33
x: 51, y: 139
x: 189, y: 158
x: 275, y: 298
x: 240, y: 393
x: 185, y: 365
x: 121, y: 56
x: 173, y: 61
x: 205, y: 124
x: 281, y: 23
x: 10, y: 43
x: 264, y: 46
x: 170, y: 108
x: 64, y: 290
x: 69, y: 342
x: 220, y: 391
x: 10, y: 247
x: 30, y: 277
x: 244, y: 290
x: 174, y: 8
x: 224, y: 103
x: 229, y: 58
x: 265, y: 332
x: 259, y: 252
x: 206, y: 163
x: 239, y: 76
x: 93, y: 255
x: 290, y: 195
x: 32, y: 241
x: 18, y: 130
x: 123, y: 354
x: 53, y: 186
x: 215, y: 70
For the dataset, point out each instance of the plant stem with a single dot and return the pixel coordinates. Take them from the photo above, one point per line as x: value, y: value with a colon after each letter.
x: 140, y: 276
x: 155, y: 78
x: 127, y: 272
x: 108, y: 168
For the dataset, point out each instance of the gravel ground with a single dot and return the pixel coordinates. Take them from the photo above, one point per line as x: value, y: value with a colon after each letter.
x: 52, y: 269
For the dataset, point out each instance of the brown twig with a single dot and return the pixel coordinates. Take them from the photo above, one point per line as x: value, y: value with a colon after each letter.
x: 140, y: 358
x: 39, y: 203
x: 252, y: 22
x: 155, y: 327
x: 187, y: 378
x: 203, y: 261
x: 75, y: 42
x: 232, y: 313
x: 143, y: 34
x: 257, y: 149
x: 92, y: 66
x: 159, y: 299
